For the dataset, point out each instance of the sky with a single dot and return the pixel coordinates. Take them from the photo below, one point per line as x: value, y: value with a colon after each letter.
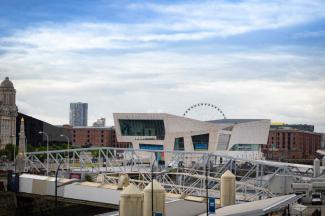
x: 252, y: 59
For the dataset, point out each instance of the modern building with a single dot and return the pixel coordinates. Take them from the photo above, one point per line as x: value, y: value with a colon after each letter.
x: 78, y: 114
x: 95, y: 137
x: 160, y: 131
x: 8, y: 113
x: 32, y: 128
x: 100, y: 122
x: 288, y: 144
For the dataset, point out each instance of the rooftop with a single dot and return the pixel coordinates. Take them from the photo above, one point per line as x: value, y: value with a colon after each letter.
x: 260, y: 207
x: 234, y: 121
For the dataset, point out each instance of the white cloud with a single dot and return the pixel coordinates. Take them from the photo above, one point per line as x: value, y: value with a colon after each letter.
x: 137, y: 67
x: 174, y: 22
x: 310, y: 34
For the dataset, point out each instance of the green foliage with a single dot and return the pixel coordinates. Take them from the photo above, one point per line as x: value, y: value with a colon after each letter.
x: 8, y: 151
x: 89, y: 178
x: 30, y: 148
x: 94, y: 153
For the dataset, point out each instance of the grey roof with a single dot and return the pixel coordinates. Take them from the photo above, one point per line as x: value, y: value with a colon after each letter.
x: 260, y: 207
x: 6, y: 83
x: 234, y: 121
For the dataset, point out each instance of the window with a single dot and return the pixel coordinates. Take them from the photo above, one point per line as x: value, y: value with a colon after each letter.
x: 200, y: 142
x: 151, y: 147
x: 154, y: 128
x: 223, y: 141
x: 179, y: 144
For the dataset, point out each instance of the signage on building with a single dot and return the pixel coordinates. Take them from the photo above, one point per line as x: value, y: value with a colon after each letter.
x: 144, y: 137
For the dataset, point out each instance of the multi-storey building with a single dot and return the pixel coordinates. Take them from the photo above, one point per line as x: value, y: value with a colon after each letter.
x: 8, y: 113
x: 287, y: 144
x: 96, y: 137
x: 78, y: 114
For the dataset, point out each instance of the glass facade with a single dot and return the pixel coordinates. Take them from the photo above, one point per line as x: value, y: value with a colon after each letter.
x: 245, y: 147
x: 179, y: 144
x: 152, y: 128
x: 200, y: 142
x: 151, y: 147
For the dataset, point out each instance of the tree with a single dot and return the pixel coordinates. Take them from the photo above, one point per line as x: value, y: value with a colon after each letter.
x: 9, y: 151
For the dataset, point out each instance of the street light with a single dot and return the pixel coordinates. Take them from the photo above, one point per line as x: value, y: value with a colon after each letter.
x: 152, y: 166
x: 207, y: 168
x: 56, y: 186
x: 47, y: 151
x: 62, y: 135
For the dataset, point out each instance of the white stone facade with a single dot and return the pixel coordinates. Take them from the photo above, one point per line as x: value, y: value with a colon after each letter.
x: 241, y: 138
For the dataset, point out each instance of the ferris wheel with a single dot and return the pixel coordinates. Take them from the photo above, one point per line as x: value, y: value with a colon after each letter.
x: 204, y: 112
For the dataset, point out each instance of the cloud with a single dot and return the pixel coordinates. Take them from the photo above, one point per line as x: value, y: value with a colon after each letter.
x: 309, y: 34
x: 192, y: 21
x: 170, y: 60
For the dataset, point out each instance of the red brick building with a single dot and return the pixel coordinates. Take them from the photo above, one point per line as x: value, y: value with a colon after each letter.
x: 95, y: 137
x: 287, y: 144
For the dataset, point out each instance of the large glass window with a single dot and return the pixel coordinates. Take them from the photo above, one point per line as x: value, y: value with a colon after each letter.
x: 200, y: 142
x: 151, y: 147
x: 179, y: 144
x: 150, y: 128
x: 223, y: 141
x: 245, y: 147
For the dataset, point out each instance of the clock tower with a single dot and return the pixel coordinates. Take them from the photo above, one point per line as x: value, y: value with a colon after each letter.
x: 8, y: 113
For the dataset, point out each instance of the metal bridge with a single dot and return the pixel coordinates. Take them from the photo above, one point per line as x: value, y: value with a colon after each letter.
x: 183, y: 173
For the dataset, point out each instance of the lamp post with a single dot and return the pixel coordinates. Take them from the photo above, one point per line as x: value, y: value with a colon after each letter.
x: 153, y: 163
x: 161, y: 173
x: 207, y: 182
x: 15, y: 156
x: 47, y: 151
x: 56, y: 186
x: 62, y: 135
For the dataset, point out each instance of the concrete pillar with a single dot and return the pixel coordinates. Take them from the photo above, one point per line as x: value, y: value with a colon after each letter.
x: 228, y: 189
x: 131, y: 201
x: 323, y: 161
x: 316, y: 167
x: 123, y: 181
x: 158, y: 199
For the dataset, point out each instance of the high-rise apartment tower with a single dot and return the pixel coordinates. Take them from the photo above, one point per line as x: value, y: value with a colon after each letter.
x: 78, y: 114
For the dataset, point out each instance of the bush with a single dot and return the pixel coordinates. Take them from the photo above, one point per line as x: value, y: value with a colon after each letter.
x: 89, y: 178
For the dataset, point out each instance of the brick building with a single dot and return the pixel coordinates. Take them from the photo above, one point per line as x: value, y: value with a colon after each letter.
x: 288, y: 144
x: 95, y: 137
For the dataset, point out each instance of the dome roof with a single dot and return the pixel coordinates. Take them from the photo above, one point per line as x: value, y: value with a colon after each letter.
x: 6, y: 83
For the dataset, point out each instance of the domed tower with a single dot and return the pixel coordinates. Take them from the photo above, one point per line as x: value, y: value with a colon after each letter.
x: 8, y: 113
